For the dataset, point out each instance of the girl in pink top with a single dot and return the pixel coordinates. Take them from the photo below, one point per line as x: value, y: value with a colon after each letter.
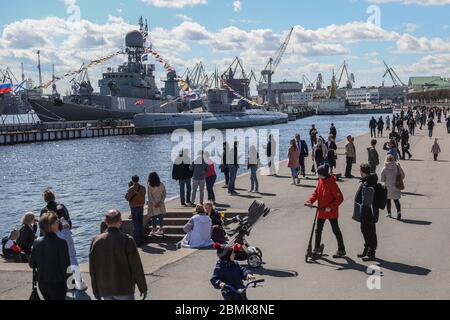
x: 294, y: 162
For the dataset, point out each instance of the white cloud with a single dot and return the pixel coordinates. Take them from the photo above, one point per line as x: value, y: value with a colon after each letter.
x: 237, y: 6
x: 409, y: 44
x: 410, y: 27
x: 176, y: 4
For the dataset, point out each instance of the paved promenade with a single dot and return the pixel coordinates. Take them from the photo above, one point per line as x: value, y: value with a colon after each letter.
x: 414, y: 255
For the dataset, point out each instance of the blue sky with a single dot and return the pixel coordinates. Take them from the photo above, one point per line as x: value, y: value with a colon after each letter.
x: 413, y: 35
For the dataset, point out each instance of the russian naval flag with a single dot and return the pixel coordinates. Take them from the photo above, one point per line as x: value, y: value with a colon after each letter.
x: 5, y: 87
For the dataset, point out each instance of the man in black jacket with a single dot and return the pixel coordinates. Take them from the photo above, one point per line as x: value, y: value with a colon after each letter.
x: 373, y: 127
x: 304, y: 153
x: 366, y: 212
x: 183, y: 175
x: 50, y: 258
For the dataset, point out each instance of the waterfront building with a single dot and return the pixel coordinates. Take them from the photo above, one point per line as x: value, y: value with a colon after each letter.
x: 357, y: 96
x: 278, y: 89
x: 297, y: 98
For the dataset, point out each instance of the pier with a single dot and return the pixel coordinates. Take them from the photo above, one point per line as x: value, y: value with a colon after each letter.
x: 55, y: 131
x: 413, y: 261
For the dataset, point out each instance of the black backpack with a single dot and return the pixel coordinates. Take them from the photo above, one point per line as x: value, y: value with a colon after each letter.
x: 380, y: 199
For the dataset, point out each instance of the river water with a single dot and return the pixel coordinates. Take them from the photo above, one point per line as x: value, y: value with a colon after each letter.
x: 90, y: 176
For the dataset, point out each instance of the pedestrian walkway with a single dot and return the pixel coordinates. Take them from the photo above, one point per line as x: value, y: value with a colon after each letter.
x: 414, y: 261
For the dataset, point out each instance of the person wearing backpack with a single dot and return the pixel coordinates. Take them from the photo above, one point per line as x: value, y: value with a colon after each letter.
x: 136, y: 198
x: 368, y: 200
x: 392, y: 176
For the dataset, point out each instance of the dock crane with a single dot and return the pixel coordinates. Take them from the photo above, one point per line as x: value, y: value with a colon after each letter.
x: 350, y: 76
x: 395, y: 78
x: 271, y: 67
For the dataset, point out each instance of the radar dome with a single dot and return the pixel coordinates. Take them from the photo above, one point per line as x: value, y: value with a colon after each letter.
x: 134, y: 39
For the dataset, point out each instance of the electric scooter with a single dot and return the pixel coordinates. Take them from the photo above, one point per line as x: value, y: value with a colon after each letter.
x: 309, y: 252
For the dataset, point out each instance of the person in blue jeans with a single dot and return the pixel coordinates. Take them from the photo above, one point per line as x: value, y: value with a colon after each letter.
x: 253, y: 162
x: 233, y: 162
x: 136, y: 198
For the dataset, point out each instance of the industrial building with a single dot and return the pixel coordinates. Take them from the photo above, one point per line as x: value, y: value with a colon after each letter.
x: 396, y: 94
x: 278, y: 89
x: 297, y: 98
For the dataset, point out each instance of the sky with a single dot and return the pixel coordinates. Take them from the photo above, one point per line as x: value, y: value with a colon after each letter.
x: 412, y: 36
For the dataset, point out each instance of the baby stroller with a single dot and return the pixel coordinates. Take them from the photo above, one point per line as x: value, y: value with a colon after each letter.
x: 241, y: 228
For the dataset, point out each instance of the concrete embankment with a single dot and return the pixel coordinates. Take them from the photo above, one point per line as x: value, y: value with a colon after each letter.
x: 413, y: 257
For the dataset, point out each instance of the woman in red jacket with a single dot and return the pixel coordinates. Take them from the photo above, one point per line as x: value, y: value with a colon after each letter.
x: 329, y: 198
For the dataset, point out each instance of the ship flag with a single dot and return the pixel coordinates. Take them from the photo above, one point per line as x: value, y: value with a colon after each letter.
x: 145, y: 57
x: 139, y: 102
x: 5, y: 87
x: 20, y: 87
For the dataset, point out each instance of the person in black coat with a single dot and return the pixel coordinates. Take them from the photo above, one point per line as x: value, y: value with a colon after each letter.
x: 53, y: 206
x: 27, y: 233
x: 373, y: 127
x: 183, y: 175
x: 50, y: 258
x: 304, y: 153
x: 366, y: 212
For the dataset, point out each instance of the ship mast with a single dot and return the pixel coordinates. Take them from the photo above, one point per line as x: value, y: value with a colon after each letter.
x: 39, y: 68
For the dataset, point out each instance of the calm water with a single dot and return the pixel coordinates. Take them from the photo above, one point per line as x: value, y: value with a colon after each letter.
x: 90, y: 176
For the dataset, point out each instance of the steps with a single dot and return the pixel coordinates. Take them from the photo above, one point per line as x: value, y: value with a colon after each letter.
x: 174, y: 221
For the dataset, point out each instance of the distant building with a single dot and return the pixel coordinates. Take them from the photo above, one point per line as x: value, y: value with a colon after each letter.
x: 393, y: 94
x: 297, y: 98
x: 357, y: 96
x: 418, y: 84
x: 278, y: 89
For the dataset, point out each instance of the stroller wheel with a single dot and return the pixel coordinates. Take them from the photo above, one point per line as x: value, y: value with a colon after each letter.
x: 259, y: 252
x: 254, y: 260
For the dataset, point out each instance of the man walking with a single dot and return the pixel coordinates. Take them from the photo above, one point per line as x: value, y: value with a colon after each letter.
x: 114, y: 263
x: 183, y: 175
x: 271, y: 150
x: 313, y: 136
x: 333, y: 131
x: 304, y: 153
x: 405, y: 145
x: 366, y: 212
x: 233, y: 163
x: 373, y: 127
x: 430, y: 127
x: 374, y: 158
x: 350, y: 154
x: 136, y: 199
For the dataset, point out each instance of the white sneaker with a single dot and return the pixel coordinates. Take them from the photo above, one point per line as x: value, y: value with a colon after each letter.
x: 153, y: 232
x: 160, y: 232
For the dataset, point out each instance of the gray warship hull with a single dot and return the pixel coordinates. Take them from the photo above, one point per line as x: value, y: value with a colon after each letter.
x: 49, y: 110
x: 167, y: 123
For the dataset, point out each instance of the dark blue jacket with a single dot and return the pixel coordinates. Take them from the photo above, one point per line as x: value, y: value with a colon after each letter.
x: 231, y: 273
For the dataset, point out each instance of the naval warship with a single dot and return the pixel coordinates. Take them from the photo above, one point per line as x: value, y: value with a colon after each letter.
x: 123, y: 92
x: 217, y: 113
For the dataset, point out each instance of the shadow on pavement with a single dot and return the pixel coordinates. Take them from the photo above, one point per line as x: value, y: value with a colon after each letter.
x: 275, y: 273
x: 383, y: 264
x: 413, y: 194
x: 417, y: 222
x: 222, y: 205
x: 403, y: 268
x: 152, y: 250
x: 267, y: 194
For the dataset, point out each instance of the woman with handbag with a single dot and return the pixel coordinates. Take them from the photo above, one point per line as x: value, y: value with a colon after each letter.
x: 392, y: 176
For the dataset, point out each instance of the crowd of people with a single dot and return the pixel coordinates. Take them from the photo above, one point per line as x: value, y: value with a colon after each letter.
x: 115, y: 266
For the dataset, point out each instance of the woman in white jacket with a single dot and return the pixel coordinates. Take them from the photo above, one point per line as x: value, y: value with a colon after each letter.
x: 198, y: 230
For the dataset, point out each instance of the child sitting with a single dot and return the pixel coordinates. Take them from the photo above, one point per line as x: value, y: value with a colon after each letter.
x: 229, y: 272
x: 11, y: 250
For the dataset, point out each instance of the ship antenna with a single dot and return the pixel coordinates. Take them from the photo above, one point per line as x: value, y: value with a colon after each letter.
x: 23, y: 74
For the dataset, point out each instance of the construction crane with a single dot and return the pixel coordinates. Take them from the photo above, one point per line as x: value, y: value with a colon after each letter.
x: 237, y: 78
x: 271, y: 68
x: 395, y: 78
x: 307, y: 84
x: 350, y: 77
